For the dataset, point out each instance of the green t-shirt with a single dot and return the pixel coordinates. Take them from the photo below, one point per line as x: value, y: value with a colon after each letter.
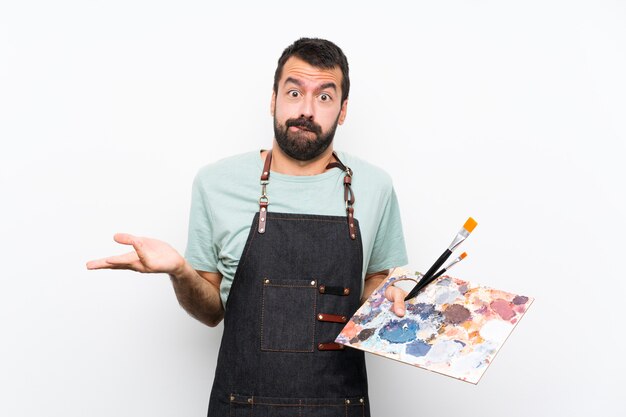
x: 225, y: 198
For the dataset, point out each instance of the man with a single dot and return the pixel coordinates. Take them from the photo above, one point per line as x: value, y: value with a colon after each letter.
x: 286, y: 284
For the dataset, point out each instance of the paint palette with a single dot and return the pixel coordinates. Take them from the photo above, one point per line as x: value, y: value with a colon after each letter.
x: 452, y: 327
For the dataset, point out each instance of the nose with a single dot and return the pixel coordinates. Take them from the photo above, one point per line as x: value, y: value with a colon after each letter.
x: 306, y: 108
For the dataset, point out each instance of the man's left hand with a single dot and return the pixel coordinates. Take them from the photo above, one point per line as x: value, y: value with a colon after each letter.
x: 396, y: 296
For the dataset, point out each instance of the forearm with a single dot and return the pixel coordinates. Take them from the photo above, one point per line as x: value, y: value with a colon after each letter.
x: 371, y: 283
x: 199, y: 297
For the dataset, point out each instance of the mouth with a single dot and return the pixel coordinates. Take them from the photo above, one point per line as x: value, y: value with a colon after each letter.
x: 302, y: 125
x: 299, y: 129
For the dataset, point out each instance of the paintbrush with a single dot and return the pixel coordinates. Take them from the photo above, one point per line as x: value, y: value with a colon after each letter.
x: 465, y: 231
x: 447, y: 267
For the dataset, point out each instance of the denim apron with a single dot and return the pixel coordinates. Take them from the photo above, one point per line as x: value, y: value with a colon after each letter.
x: 297, y: 284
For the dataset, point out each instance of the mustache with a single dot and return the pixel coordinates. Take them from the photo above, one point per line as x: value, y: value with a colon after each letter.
x: 305, y: 123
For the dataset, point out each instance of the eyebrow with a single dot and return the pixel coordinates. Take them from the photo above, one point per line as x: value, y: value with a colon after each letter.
x: 328, y: 85
x: 321, y: 87
x: 293, y: 81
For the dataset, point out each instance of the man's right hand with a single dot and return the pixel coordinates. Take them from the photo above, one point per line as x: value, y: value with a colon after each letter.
x: 149, y: 255
x: 198, y: 292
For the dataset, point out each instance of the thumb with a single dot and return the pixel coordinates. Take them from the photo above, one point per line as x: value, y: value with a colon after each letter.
x: 396, y: 296
x: 398, y: 304
x: 127, y: 239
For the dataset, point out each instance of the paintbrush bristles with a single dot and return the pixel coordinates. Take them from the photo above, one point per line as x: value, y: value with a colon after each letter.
x: 469, y: 225
x: 456, y: 261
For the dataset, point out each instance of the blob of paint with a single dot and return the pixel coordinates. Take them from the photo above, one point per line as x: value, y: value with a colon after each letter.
x: 443, y: 350
x: 447, y: 295
x: 495, y: 331
x: 365, y: 334
x: 417, y: 348
x: 503, y: 308
x: 400, y: 331
x: 456, y: 314
x: 424, y: 310
x: 520, y: 299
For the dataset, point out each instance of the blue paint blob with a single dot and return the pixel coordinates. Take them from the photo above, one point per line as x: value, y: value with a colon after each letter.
x: 418, y: 348
x: 365, y: 318
x: 445, y: 282
x: 424, y: 310
x: 400, y: 331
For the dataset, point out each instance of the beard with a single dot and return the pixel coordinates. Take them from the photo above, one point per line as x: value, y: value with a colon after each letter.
x: 300, y: 145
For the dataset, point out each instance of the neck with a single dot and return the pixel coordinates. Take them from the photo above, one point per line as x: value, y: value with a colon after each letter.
x: 284, y: 164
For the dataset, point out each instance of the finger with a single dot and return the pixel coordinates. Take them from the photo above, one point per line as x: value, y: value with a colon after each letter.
x: 133, y: 266
x: 396, y: 295
x: 392, y: 291
x: 105, y: 264
x: 125, y: 259
x: 388, y: 293
x: 125, y: 238
x: 98, y: 264
x: 398, y: 305
x: 128, y: 239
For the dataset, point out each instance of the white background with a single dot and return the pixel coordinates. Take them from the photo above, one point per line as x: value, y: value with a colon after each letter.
x: 511, y: 112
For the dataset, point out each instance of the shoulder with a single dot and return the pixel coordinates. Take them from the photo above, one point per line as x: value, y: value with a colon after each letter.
x: 229, y: 177
x: 232, y: 165
x: 235, y: 170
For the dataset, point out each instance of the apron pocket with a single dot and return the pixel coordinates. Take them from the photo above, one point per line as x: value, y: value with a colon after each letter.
x: 244, y: 406
x: 288, y: 315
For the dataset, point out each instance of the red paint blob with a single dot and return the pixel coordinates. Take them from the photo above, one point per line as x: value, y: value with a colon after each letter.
x: 503, y: 308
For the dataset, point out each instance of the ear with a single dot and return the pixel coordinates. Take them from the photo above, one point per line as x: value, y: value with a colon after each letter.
x: 343, y: 112
x: 273, y: 104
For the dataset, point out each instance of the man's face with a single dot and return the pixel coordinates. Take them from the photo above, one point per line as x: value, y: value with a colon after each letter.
x: 307, y: 109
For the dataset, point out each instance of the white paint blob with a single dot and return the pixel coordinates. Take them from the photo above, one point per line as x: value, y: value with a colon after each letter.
x: 496, y: 331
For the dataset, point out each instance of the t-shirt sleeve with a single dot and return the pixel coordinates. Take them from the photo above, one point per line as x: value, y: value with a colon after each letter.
x: 201, y: 250
x: 389, y: 250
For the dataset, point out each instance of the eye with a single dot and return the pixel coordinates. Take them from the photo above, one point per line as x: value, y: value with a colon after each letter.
x: 324, y: 97
x: 294, y: 93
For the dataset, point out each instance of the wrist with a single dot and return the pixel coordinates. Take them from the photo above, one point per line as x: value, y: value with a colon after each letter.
x: 181, y: 269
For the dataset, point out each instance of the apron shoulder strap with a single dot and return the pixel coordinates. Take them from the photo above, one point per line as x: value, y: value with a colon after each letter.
x: 348, y: 193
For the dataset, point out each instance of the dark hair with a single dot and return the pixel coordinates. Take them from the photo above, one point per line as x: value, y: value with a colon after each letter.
x: 319, y: 53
